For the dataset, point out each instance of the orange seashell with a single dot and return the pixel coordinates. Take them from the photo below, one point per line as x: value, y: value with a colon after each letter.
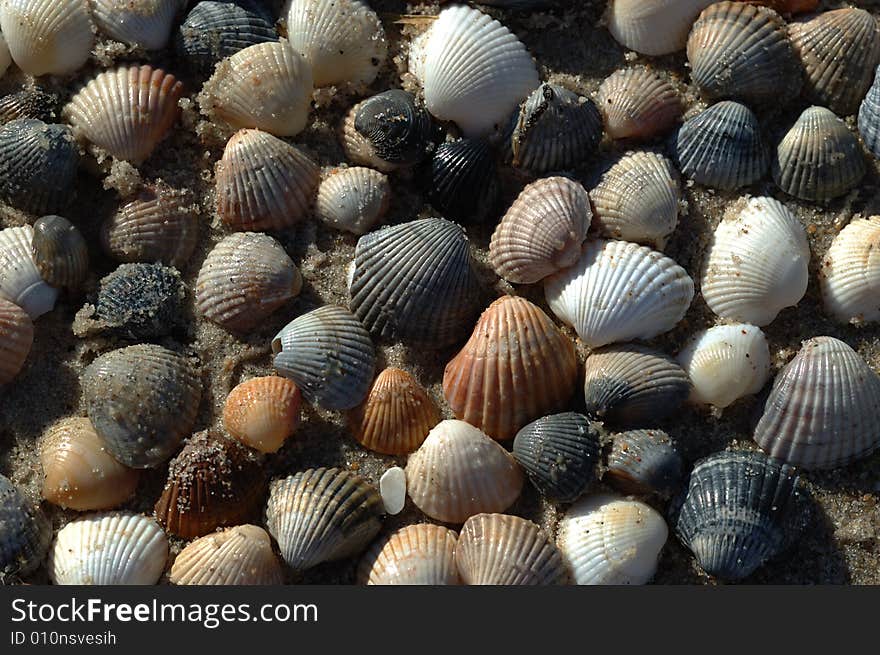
x: 16, y: 339
x: 261, y: 413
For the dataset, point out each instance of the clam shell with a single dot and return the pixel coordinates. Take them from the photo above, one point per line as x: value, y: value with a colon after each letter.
x: 235, y: 556
x: 20, y: 279
x: 542, y: 232
x: 60, y: 252
x: 420, y: 554
x: 322, y: 515
x: 262, y: 412
x: 644, y: 462
x: 329, y: 355
x: 5, y: 57
x: 16, y: 339
x: 850, y: 273
x: 146, y: 23
x: 25, y: 536
x: 459, y: 471
x: 587, y: 295
x: 515, y: 367
x: 659, y: 27
x: 111, y: 548
x: 498, y: 549
x: 27, y: 103
x: 638, y: 103
x: 757, y: 262
x: 353, y: 199
x: 824, y: 408
x: 869, y: 117
x: 462, y: 180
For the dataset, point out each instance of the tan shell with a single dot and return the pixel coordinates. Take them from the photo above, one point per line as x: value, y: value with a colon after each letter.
x: 653, y: 27
x: 353, y: 199
x: 262, y: 412
x: 235, y: 556
x: 420, y: 554
x: 638, y: 103
x: 850, y: 273
x: 16, y: 339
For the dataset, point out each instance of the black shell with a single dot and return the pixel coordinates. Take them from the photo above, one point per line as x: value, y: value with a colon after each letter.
x: 462, y: 180
x: 28, y: 103
x: 397, y: 129
x: 60, y: 252
x: 24, y: 533
x: 644, y: 462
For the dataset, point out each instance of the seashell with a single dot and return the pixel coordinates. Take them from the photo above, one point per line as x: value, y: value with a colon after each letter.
x: 78, y: 472
x: 25, y: 536
x: 787, y: 6
x: 342, y: 40
x: 329, y: 355
x: 60, y: 252
x: 515, y: 367
x: 839, y: 51
x: 474, y: 71
x: 264, y: 183
x: 644, y: 462
x: 110, y: 548
x: 213, y: 482
x: 322, y: 515
x: 725, y: 363
x: 609, y: 540
x: 38, y: 163
x: 146, y: 23
x: 757, y: 262
x: 415, y: 282
x: 462, y: 180
x: 235, y: 556
x: 722, y: 147
x: 392, y: 488
x: 819, y: 158
x: 587, y: 295
x: 262, y: 412
x: 653, y: 28
x: 420, y: 554
x: 27, y: 103
x: 869, y: 117
x: 459, y: 471
x: 244, y: 279
x: 16, y: 339
x: 637, y: 199
x: 20, y: 280
x: 267, y: 86
x: 125, y: 111
x: 353, y: 199
x: 554, y: 129
x: 5, y: 56
x: 542, y: 232
x: 142, y: 400
x: 396, y: 416
x: 738, y: 51
x: 498, y: 549
x: 638, y: 103
x: 850, y: 273
x: 740, y: 510
x: 824, y: 408
x: 560, y: 453
x: 47, y: 37
x: 632, y: 385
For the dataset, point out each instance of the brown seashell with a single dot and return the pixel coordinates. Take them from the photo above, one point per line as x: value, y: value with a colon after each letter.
x: 236, y: 556
x: 638, y: 103
x: 16, y: 339
x: 420, y: 554
x: 262, y: 412
x: 60, y: 252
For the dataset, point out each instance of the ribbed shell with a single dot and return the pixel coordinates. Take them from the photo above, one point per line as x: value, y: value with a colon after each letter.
x: 111, y: 548
x: 244, y: 279
x: 869, y: 117
x: 264, y: 183
x: 824, y: 408
x: 618, y: 291
x: 658, y: 27
x: 20, y: 280
x: 516, y: 367
x: 420, y: 554
x: 757, y: 262
x: 638, y: 103
x: 262, y: 412
x: 850, y: 273
x: 322, y: 515
x: 644, y: 462
x: 353, y: 199
x: 60, y: 252
x: 462, y: 180
x: 542, y: 232
x: 145, y: 23
x: 329, y: 355
x: 459, y: 471
x: 16, y: 339
x: 27, y: 103
x: 498, y: 549
x: 235, y: 556
x: 25, y: 536
x: 5, y: 59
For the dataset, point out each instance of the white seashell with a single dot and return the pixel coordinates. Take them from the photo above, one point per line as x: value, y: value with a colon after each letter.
x: 353, y: 199
x: 20, y: 281
x: 144, y: 23
x: 5, y: 57
x: 392, y: 488
x: 757, y: 262
x: 850, y: 273
x: 653, y: 27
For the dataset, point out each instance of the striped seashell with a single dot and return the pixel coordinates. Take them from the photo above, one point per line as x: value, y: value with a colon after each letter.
x: 20, y: 279
x: 420, y: 554
x: 462, y: 180
x: 146, y: 23
x: 787, y: 6
x: 16, y: 339
x: 27, y: 103
x: 869, y: 117
x: 638, y: 103
x: 353, y: 199
x: 459, y: 471
x: 235, y: 556
x: 60, y: 253
x: 644, y: 462
x: 516, y: 367
x: 586, y: 296
x: 25, y: 536
x: 262, y: 412
x: 850, y: 273
x: 653, y: 28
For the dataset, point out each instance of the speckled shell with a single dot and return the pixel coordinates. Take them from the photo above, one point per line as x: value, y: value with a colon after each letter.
x: 659, y: 27
x: 267, y: 86
x: 637, y: 199
x: 474, y: 70
x: 586, y: 296
x: 819, y: 158
x: 353, y: 199
x: 850, y: 273
x: 725, y: 363
x: 740, y: 509
x: 329, y: 355
x: 78, y: 472
x: 262, y: 412
x: 869, y: 117
x: 28, y: 103
x: 462, y: 180
x: 47, y: 37
x: 516, y: 367
x: 342, y: 40
x: 322, y: 515
x: 60, y: 252
x: 235, y: 556
x: 757, y: 262
x: 420, y: 554
x: 16, y: 339
x: 25, y: 536
x: 145, y: 23
x: 542, y: 232
x: 264, y: 183
x: 20, y: 280
x: 142, y: 400
x: 824, y: 408
x: 499, y: 549
x: 560, y: 453
x: 632, y: 385
x: 396, y: 416
x: 415, y: 282
x: 644, y: 462
x: 459, y: 471
x: 244, y: 279
x: 609, y: 540
x: 111, y: 548
x: 638, y: 103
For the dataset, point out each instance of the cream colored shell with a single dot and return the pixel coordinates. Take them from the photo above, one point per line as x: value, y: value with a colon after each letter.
x: 850, y: 273
x: 653, y: 27
x: 235, y: 556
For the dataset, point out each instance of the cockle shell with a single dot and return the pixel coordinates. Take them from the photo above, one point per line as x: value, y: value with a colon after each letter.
x: 638, y: 103
x: 659, y: 27
x: 25, y: 536
x: 145, y: 23
x: 60, y: 252
x: 869, y: 117
x: 644, y: 462
x: 20, y: 279
x: 419, y: 554
x: 235, y: 556
x: 27, y: 103
x: 5, y: 57
x: 353, y: 199
x: 262, y: 412
x: 16, y: 339
x: 850, y: 273
x: 462, y: 180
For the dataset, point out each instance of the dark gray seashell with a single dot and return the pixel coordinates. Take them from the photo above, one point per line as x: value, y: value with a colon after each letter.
x: 644, y: 462
x: 462, y: 180
x: 60, y: 252
x: 869, y: 116
x: 24, y: 533
x: 28, y: 103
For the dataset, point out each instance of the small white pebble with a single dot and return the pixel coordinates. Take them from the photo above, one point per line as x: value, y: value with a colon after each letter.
x: 392, y: 488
